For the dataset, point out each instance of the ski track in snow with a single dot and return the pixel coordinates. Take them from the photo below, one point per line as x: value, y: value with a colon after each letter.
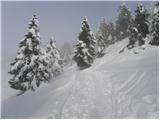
x: 98, y: 98
x: 81, y: 101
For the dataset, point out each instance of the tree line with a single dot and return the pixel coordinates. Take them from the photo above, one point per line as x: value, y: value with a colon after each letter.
x: 34, y: 64
x: 136, y: 28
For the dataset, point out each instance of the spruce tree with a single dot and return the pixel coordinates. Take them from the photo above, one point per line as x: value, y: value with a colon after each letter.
x: 111, y: 31
x: 85, y: 48
x: 53, y: 57
x: 123, y: 22
x: 100, y: 44
x: 155, y: 25
x: 138, y: 28
x: 29, y: 67
x: 141, y: 22
x: 103, y: 29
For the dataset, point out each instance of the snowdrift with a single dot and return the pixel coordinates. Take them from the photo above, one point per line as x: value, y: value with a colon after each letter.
x: 116, y: 86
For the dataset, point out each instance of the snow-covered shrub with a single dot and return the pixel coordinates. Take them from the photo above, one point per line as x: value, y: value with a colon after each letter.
x: 53, y: 57
x: 100, y: 45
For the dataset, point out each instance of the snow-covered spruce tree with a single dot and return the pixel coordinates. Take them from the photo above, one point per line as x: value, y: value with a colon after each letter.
x: 29, y: 67
x: 139, y: 27
x: 85, y: 47
x: 123, y: 22
x: 141, y: 22
x: 111, y: 31
x: 53, y: 57
x: 155, y: 25
x: 100, y: 44
x: 103, y: 29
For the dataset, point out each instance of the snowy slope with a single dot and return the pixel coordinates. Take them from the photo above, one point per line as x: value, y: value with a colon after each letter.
x: 116, y: 86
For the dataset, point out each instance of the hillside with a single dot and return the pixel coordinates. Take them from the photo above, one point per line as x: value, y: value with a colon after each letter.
x: 116, y: 86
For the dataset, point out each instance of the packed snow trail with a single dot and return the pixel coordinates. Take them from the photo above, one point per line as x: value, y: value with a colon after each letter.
x: 116, y: 86
x: 88, y: 98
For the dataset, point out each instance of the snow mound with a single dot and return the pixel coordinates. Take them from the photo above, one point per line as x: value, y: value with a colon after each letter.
x: 117, y: 85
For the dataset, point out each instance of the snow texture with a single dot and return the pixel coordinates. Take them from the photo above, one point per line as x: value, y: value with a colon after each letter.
x: 116, y: 86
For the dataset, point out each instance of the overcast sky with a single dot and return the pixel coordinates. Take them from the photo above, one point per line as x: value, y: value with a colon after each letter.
x: 59, y: 19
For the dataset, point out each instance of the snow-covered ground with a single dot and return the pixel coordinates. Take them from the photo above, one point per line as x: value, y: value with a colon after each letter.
x: 116, y: 86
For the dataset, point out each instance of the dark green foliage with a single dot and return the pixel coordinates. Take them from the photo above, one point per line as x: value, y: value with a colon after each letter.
x: 100, y: 45
x: 107, y: 32
x: 111, y: 31
x: 155, y: 25
x: 139, y: 27
x: 141, y: 22
x: 104, y: 30
x: 85, y: 48
x: 53, y: 57
x: 123, y: 22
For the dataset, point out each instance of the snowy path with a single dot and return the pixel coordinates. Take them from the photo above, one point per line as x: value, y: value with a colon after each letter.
x: 87, y: 98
